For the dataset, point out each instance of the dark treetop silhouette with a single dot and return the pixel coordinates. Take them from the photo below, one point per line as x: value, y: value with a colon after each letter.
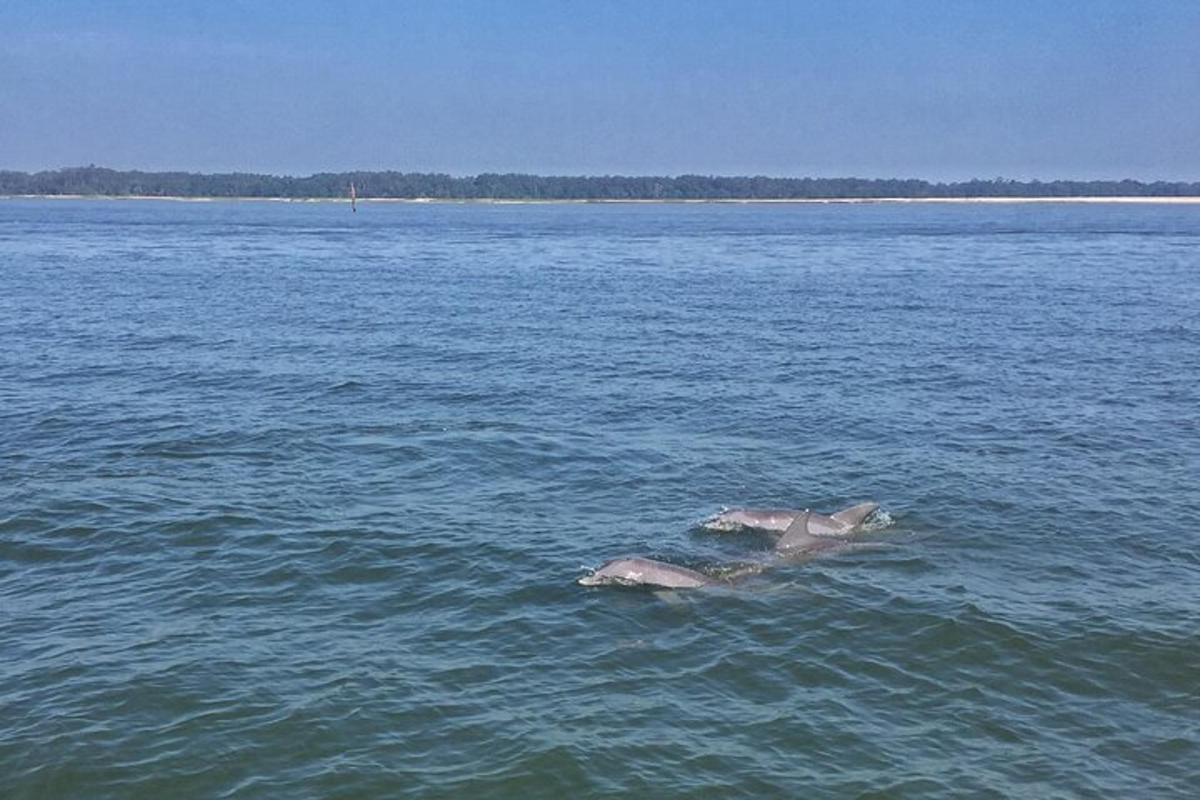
x: 100, y: 181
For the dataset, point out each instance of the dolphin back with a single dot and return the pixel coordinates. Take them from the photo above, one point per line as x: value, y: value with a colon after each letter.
x: 637, y: 571
x: 855, y: 515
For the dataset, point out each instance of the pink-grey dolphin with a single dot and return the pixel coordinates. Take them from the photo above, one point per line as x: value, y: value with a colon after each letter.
x: 802, y: 542
x: 843, y: 523
x: 635, y: 571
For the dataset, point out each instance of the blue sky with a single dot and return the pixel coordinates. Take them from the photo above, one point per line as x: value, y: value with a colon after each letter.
x: 876, y: 88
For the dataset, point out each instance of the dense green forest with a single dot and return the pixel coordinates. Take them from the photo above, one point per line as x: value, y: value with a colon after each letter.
x: 107, y: 182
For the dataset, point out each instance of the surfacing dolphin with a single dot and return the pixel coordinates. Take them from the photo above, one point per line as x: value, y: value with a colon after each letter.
x: 801, y: 542
x: 843, y: 523
x: 635, y: 571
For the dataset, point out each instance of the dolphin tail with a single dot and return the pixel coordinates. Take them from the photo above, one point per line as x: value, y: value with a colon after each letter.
x: 854, y: 515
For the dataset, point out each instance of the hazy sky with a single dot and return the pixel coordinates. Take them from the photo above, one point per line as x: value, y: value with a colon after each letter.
x: 941, y: 90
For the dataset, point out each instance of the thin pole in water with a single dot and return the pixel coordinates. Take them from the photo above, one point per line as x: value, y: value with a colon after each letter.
x: 353, y: 198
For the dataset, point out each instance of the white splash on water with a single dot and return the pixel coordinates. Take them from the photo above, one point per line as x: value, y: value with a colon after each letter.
x: 878, y: 521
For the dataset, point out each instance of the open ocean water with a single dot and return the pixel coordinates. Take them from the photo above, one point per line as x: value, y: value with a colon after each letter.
x: 292, y: 500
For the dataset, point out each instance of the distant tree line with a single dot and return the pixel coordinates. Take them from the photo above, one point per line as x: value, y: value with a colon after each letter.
x: 100, y: 181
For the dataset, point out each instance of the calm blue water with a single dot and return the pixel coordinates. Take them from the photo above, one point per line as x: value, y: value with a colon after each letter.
x: 292, y: 501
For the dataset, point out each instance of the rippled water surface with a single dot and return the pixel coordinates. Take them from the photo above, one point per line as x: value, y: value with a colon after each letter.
x: 292, y: 501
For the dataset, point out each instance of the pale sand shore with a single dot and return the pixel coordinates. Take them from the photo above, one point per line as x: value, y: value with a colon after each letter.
x: 610, y: 201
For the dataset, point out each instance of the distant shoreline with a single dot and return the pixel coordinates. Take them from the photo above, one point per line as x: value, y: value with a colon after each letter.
x: 430, y: 187
x: 1139, y: 200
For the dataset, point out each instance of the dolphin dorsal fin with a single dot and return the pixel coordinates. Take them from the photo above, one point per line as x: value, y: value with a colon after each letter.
x: 797, y: 534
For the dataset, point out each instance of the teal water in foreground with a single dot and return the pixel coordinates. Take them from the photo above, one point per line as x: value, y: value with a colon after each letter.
x: 292, y: 501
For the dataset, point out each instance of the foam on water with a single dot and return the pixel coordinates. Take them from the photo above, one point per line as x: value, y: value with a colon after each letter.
x: 880, y: 520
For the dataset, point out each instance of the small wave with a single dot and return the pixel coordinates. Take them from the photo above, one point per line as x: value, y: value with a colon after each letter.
x: 29, y: 552
x: 1173, y: 333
